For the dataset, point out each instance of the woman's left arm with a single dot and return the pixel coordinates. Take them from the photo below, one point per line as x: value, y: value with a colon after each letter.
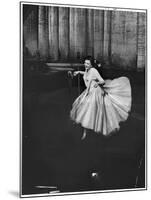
x: 98, y: 77
x: 100, y: 80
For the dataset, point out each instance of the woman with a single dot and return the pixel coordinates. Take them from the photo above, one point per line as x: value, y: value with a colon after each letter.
x: 103, y: 104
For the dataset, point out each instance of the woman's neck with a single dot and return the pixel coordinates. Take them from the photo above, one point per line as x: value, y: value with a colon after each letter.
x: 87, y: 69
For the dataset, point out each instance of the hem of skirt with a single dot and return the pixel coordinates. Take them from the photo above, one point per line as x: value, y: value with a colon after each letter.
x: 100, y: 132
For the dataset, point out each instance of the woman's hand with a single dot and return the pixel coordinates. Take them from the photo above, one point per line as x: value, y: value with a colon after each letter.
x: 96, y: 85
x: 105, y: 93
x: 103, y: 83
x: 75, y: 73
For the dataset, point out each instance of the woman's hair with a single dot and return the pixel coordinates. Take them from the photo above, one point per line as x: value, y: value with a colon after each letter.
x: 93, y: 61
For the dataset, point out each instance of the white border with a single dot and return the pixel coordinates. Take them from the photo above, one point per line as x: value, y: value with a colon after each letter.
x: 85, y: 192
x: 9, y: 100
x: 21, y: 92
x: 86, y: 6
x: 89, y: 7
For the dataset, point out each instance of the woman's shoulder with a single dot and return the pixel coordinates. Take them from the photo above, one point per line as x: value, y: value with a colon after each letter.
x: 93, y: 70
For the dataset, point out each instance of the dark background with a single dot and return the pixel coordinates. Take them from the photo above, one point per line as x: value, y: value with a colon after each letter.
x: 53, y: 153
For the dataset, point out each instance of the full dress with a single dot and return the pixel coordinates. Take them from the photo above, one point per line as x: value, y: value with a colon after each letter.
x: 102, y: 108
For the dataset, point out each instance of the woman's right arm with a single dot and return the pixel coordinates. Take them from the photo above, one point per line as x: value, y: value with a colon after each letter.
x: 78, y: 72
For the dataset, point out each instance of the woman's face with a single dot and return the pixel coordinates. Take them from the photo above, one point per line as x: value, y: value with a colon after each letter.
x: 87, y: 64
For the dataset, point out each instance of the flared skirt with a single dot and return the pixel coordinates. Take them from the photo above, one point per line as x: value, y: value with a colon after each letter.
x: 103, y: 112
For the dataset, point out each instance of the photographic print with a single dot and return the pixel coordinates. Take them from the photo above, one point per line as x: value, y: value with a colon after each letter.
x: 83, y: 99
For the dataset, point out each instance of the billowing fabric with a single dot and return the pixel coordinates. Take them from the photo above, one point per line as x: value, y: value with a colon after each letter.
x: 99, y: 111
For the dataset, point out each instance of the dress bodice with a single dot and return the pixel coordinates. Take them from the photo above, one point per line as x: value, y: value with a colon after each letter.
x: 91, y: 77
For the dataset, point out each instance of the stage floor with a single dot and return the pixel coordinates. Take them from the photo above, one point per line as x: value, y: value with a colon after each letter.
x: 55, y: 156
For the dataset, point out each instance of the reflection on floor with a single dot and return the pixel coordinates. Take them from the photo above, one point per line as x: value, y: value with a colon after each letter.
x: 56, y: 160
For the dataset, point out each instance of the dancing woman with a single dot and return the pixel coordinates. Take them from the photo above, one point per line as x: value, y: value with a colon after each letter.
x: 103, y: 104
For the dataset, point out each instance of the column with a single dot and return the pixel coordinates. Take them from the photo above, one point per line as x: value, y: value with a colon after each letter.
x: 90, y: 32
x: 80, y: 32
x: 63, y: 33
x: 53, y: 33
x: 107, y: 36
x: 98, y: 33
x: 141, y: 41
x: 43, y: 32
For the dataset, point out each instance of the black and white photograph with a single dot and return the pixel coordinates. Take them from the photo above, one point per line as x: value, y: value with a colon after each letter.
x: 83, y: 99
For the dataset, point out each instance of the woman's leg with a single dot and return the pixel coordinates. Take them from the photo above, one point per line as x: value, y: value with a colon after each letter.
x: 84, y: 134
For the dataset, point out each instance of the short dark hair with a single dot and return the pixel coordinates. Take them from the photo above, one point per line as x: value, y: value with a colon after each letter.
x: 91, y: 60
